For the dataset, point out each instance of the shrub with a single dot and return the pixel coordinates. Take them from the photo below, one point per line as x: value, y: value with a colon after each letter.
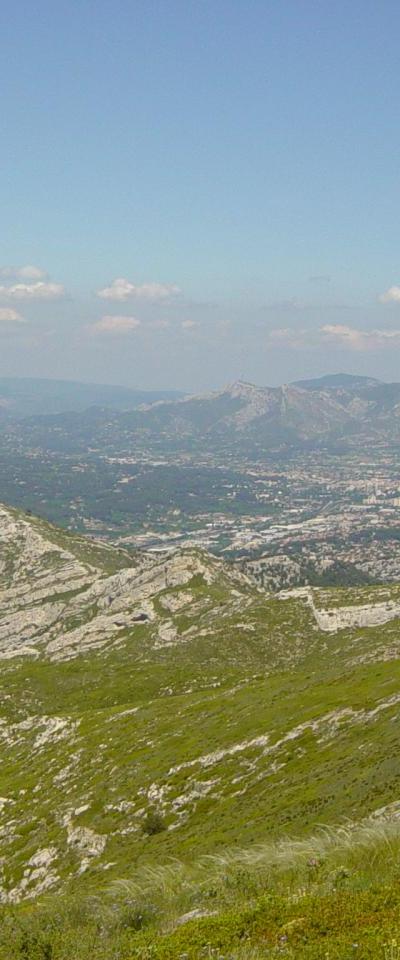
x: 153, y: 823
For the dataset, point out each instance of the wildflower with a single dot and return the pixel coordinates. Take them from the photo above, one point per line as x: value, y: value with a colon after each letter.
x: 392, y: 950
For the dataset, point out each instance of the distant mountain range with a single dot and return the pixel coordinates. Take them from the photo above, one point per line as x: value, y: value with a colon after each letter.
x: 333, y: 409
x: 27, y: 397
x: 336, y: 381
x: 328, y: 408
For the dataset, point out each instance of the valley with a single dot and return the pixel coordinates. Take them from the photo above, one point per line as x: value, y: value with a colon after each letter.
x: 318, y: 506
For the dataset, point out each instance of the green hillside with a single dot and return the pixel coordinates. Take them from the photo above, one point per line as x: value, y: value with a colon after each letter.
x: 162, y: 708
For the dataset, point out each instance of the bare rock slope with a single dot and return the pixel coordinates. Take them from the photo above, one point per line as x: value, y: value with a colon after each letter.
x: 62, y: 595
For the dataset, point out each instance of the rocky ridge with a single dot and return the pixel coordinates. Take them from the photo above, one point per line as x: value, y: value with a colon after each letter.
x: 172, y: 685
x: 58, y: 602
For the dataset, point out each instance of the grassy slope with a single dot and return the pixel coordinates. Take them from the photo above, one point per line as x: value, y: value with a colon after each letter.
x: 192, y: 748
x: 255, y: 727
x: 101, y: 556
x: 335, y: 895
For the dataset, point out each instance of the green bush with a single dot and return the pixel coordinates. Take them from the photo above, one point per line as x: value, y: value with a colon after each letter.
x: 153, y: 823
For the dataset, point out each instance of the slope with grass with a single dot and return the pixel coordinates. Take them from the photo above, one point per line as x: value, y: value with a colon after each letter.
x: 163, y: 706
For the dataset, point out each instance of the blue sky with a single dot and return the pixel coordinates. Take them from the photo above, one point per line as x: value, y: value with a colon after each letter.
x: 235, y: 164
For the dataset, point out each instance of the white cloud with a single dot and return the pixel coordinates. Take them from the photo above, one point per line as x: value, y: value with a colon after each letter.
x: 8, y: 315
x: 360, y: 339
x: 335, y: 333
x: 392, y: 295
x: 32, y: 291
x: 122, y: 290
x: 344, y: 334
x: 189, y: 324
x: 28, y: 272
x: 31, y: 273
x: 115, y: 324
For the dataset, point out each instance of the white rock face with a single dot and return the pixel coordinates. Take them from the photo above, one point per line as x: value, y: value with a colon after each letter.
x: 47, y: 730
x: 86, y: 841
x: 176, y: 601
x: 54, y: 603
x: 34, y: 568
x: 367, y: 615
x: 345, y: 618
x: 39, y: 876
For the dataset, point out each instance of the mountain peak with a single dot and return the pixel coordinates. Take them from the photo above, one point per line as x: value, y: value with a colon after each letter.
x: 244, y: 389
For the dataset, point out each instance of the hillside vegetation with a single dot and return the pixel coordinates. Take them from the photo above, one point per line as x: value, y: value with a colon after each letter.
x: 335, y: 894
x: 174, y: 739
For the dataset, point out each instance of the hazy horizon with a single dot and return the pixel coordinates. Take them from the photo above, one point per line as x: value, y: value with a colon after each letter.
x: 217, y: 387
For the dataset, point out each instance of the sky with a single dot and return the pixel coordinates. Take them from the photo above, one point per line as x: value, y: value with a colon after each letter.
x: 197, y: 191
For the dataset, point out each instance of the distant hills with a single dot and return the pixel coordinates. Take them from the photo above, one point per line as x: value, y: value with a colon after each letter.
x: 336, y: 380
x: 329, y: 410
x: 26, y: 397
